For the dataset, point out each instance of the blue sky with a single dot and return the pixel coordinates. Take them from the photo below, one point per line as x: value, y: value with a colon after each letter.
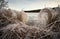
x: 32, y: 4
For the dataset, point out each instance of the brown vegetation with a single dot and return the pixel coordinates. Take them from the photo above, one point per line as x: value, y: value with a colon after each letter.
x: 13, y: 14
x: 47, y: 16
x: 22, y: 17
x: 12, y: 28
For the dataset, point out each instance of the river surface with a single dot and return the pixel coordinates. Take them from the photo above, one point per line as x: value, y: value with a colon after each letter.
x: 33, y: 16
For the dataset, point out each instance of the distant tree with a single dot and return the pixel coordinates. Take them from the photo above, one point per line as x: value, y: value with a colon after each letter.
x: 3, y: 3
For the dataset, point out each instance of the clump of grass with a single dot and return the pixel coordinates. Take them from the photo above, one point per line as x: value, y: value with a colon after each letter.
x: 11, y: 28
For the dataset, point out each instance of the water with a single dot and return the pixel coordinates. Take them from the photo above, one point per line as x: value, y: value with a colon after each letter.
x: 33, y: 16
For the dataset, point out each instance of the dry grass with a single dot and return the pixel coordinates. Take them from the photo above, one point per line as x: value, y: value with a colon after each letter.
x: 11, y: 28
